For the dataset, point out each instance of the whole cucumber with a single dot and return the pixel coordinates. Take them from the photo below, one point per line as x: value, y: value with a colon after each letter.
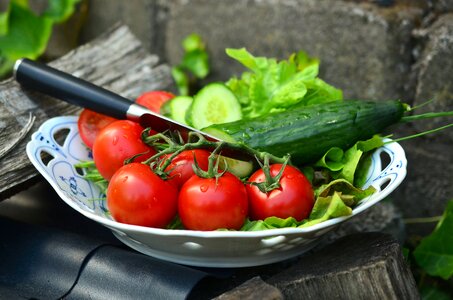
x: 306, y: 133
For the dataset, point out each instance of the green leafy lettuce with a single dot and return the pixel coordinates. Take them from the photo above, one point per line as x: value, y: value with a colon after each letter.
x: 273, y: 85
x: 25, y: 34
x: 345, y: 164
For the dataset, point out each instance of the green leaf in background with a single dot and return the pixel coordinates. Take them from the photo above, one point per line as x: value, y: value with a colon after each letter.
x: 4, y: 21
x: 193, y: 42
x: 181, y: 80
x: 195, y: 62
x: 435, y: 252
x: 25, y: 34
x: 434, y: 293
x: 60, y: 10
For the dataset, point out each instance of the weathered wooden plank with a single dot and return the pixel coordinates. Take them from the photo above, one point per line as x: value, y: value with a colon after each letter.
x: 358, y: 266
x: 254, y: 288
x: 116, y: 61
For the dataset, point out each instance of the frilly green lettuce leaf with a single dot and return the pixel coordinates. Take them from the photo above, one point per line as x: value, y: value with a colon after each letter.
x: 272, y: 85
x: 332, y: 160
x: 346, y: 164
x: 326, y: 208
x: 347, y: 191
x: 269, y: 223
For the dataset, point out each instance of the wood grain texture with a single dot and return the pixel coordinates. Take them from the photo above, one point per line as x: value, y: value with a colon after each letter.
x: 116, y: 61
x: 252, y: 289
x: 358, y: 266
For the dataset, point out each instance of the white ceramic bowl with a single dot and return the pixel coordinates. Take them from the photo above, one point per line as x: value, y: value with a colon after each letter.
x: 195, y: 248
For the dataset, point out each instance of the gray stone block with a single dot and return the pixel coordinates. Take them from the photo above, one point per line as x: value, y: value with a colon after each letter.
x: 434, y: 68
x: 364, y: 49
x: 429, y: 184
x: 143, y: 17
x: 443, y: 6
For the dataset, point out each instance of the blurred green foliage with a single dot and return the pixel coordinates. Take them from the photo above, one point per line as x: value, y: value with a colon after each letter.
x: 194, y: 65
x: 23, y: 33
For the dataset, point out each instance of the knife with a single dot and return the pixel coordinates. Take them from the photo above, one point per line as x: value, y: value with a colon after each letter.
x: 63, y: 86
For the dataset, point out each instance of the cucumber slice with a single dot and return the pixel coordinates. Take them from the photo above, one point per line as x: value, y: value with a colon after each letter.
x: 239, y: 168
x: 214, y: 104
x: 176, y: 108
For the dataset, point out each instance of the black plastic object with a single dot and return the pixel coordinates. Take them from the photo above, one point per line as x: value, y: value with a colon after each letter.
x: 60, y: 85
x: 46, y: 263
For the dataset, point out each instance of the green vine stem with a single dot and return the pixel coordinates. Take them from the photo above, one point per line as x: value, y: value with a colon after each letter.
x: 422, y: 220
x: 213, y: 166
x: 195, y: 140
x: 419, y: 134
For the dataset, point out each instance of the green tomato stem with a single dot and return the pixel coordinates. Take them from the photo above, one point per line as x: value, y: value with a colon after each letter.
x: 197, y: 141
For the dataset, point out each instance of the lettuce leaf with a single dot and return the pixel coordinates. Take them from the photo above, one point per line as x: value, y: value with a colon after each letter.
x: 272, y: 85
x: 346, y: 164
x: 350, y: 194
x: 269, y: 223
x: 326, y: 208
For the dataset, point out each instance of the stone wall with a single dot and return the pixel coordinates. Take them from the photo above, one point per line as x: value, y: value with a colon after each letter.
x: 378, y: 49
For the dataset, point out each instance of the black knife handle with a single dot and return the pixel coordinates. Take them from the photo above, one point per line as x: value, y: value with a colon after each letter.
x: 55, y: 83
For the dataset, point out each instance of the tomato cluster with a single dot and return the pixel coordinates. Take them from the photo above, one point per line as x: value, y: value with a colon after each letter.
x: 138, y: 195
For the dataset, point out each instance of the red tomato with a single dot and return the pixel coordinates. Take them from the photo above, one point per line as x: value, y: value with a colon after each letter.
x: 90, y: 123
x: 295, y: 197
x: 117, y: 142
x: 180, y: 169
x: 136, y: 195
x: 153, y: 100
x: 210, y: 204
